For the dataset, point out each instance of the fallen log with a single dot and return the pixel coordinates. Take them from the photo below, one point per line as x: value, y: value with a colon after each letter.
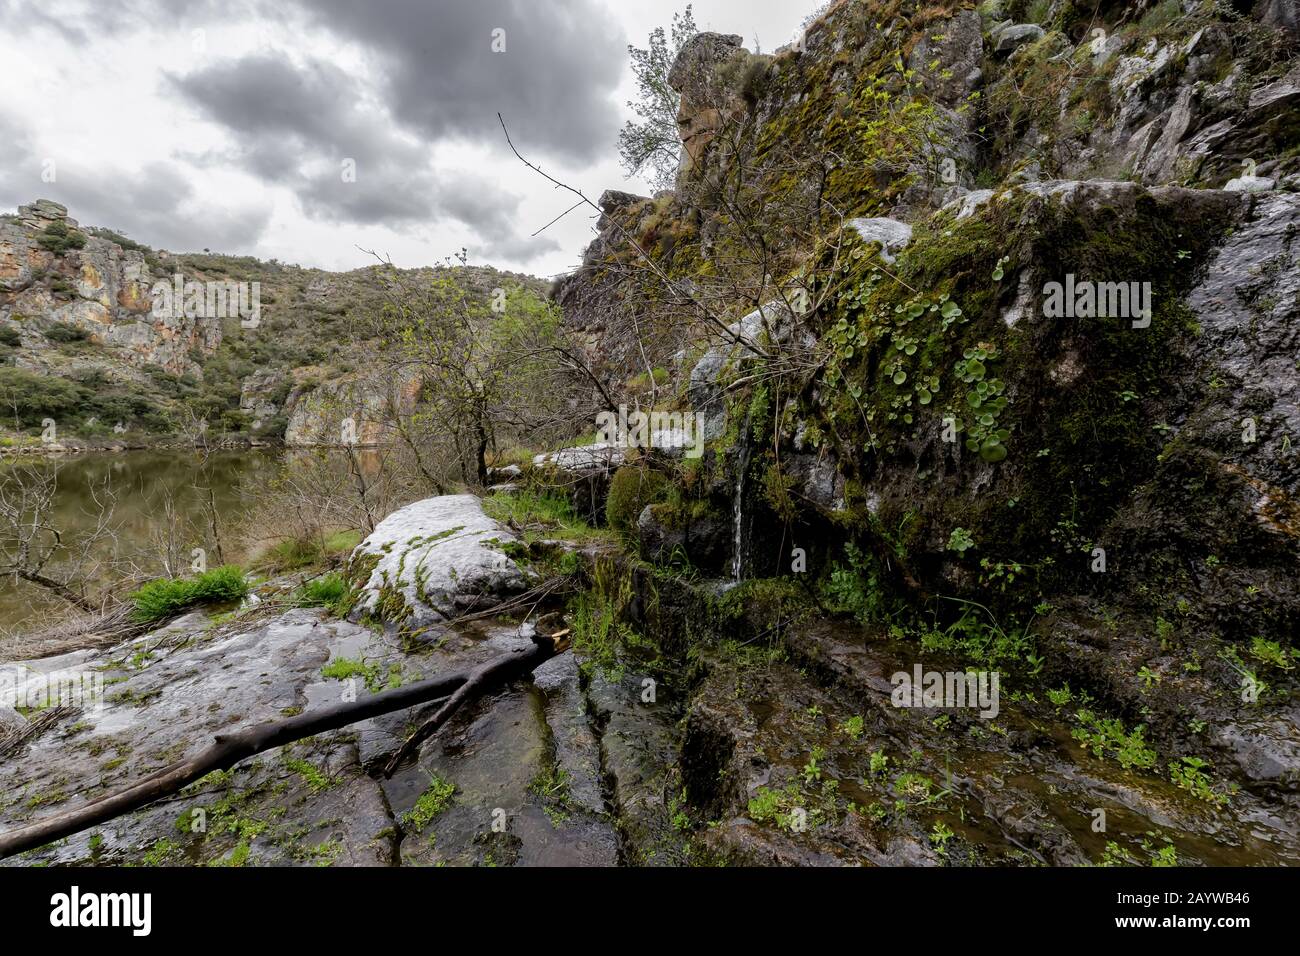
x: 485, y: 677
x: 229, y: 749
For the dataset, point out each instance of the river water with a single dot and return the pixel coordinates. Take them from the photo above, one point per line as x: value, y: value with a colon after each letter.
x: 159, y: 510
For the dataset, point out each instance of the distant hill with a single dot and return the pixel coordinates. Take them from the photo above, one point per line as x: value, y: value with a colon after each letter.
x: 85, y: 341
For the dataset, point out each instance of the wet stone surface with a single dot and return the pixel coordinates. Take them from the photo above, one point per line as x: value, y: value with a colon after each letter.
x: 781, y: 756
x: 527, y: 752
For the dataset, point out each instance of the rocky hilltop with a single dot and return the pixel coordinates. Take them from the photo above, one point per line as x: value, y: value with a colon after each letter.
x: 58, y: 283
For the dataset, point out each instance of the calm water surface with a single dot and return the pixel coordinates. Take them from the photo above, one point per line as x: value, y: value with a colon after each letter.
x: 142, y: 484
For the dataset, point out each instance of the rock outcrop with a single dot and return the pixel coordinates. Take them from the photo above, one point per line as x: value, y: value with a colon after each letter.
x: 261, y: 396
x: 354, y: 409
x: 313, y: 803
x: 704, y: 100
x: 95, y: 286
x: 432, y: 559
x: 1111, y: 482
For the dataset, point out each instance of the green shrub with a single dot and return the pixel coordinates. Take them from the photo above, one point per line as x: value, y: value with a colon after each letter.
x: 62, y: 332
x: 630, y: 490
x: 166, y: 597
x: 117, y: 237
x: 534, y: 513
x: 857, y: 588
x: 9, y: 336
x: 31, y: 397
x: 58, y: 238
x: 328, y: 591
x: 290, y: 553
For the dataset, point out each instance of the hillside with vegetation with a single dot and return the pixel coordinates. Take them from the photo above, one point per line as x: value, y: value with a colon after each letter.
x: 82, y: 346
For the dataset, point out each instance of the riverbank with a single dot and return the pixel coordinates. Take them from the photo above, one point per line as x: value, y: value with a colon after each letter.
x: 25, y: 446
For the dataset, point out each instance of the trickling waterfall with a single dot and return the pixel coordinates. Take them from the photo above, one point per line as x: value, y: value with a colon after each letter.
x: 738, y: 530
x: 738, y: 543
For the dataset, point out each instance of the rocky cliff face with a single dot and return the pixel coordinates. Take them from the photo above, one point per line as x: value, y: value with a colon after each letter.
x: 349, y: 409
x: 893, y: 109
x: 1106, y: 490
x: 96, y: 287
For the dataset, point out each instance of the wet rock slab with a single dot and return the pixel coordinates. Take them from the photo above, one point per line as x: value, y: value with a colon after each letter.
x: 528, y: 751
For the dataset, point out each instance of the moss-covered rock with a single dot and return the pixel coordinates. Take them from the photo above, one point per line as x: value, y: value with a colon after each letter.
x: 631, y: 490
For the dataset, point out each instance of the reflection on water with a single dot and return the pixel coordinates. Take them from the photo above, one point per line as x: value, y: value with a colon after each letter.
x: 161, y: 510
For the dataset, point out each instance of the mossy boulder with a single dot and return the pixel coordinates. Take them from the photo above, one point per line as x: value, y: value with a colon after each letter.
x: 631, y: 489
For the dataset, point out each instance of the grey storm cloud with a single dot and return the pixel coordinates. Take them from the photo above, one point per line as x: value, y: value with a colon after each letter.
x: 301, y: 125
x: 82, y: 22
x: 553, y: 82
x: 156, y: 205
x: 298, y: 124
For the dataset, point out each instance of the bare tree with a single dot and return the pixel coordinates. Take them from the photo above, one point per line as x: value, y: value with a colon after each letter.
x: 34, y: 547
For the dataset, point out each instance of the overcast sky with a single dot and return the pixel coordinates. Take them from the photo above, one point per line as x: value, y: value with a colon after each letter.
x: 227, y: 124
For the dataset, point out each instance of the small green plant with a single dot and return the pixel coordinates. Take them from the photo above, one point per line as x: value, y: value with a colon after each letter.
x: 59, y: 237
x: 856, y: 588
x: 940, y: 834
x: 436, y: 798
x: 960, y: 541
x: 371, y: 672
x: 812, y: 771
x: 1106, y: 737
x: 879, y: 763
x: 601, y: 632
x: 1115, y: 855
x: 159, y: 853
x: 329, y: 591
x: 316, y: 779
x: 537, y: 515
x: 980, y: 639
x: 166, y: 597
x: 853, y: 727
x: 1189, y: 773
x: 793, y: 808
x: 913, y: 786
x: 1164, y: 632
x: 1060, y: 697
x: 1165, y: 855
x: 551, y: 782
x: 238, y: 856
x: 1272, y: 652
